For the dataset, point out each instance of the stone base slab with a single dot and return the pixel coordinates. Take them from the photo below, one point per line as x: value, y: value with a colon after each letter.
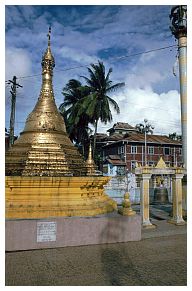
x: 24, y: 234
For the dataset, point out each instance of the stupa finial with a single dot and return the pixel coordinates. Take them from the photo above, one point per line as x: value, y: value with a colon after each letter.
x: 49, y: 36
x: 48, y: 62
x: 91, y: 167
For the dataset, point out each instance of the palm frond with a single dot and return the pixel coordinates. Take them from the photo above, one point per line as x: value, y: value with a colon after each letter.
x: 106, y: 115
x: 108, y: 74
x: 114, y: 104
x: 115, y: 87
x: 62, y: 108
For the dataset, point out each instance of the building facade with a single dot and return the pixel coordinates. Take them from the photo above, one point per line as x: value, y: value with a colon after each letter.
x: 128, y: 144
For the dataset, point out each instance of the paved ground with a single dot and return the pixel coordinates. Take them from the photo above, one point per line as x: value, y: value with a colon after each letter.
x: 159, y: 259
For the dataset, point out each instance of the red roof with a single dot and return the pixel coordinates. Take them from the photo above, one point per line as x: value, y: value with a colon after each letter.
x: 140, y: 138
x: 115, y: 160
x: 122, y: 125
x: 151, y: 138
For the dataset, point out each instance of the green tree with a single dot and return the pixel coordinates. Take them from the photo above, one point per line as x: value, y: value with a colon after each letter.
x: 175, y: 136
x: 75, y: 118
x: 97, y: 103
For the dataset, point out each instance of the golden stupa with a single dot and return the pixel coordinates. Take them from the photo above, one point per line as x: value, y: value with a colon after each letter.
x: 45, y: 174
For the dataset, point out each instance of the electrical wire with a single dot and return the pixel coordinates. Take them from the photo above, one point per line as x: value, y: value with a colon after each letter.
x: 110, y: 61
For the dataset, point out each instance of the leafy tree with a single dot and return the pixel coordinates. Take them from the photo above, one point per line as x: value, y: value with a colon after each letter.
x: 97, y: 103
x: 175, y: 136
x: 75, y: 119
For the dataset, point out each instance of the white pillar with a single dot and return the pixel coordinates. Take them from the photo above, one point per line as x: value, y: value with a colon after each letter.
x: 183, y: 92
x: 177, y: 200
x: 145, y: 201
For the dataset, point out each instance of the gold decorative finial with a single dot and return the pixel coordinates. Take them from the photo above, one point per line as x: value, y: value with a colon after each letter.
x: 91, y: 167
x: 161, y: 163
x: 90, y: 154
x: 49, y: 36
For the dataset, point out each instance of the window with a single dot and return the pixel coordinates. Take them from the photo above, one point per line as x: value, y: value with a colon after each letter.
x: 133, y: 149
x: 166, y: 151
x: 121, y: 150
x: 133, y: 165
x: 151, y: 150
x: 180, y: 151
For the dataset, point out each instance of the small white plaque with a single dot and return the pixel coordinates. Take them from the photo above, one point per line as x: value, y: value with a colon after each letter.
x: 46, y: 231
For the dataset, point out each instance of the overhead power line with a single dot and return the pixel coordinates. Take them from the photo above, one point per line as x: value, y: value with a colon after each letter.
x: 110, y: 61
x: 146, y: 52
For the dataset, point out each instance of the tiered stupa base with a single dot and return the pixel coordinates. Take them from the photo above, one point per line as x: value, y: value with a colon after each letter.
x: 43, y: 197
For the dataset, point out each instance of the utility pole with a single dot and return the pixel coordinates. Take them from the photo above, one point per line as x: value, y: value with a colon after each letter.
x: 145, y: 128
x: 178, y: 28
x: 13, y: 92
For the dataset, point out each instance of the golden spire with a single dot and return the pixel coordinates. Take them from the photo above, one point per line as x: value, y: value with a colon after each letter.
x: 91, y: 167
x: 43, y: 148
x: 45, y: 115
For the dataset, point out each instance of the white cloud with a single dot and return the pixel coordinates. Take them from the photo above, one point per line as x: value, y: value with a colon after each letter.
x: 144, y: 78
x: 18, y: 61
x: 162, y: 110
x: 76, y: 55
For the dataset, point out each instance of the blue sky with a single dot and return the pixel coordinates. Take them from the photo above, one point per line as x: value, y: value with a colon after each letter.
x: 84, y: 34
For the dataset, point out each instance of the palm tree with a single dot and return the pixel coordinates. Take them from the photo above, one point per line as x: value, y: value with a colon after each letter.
x: 71, y: 109
x: 73, y: 92
x: 97, y: 103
